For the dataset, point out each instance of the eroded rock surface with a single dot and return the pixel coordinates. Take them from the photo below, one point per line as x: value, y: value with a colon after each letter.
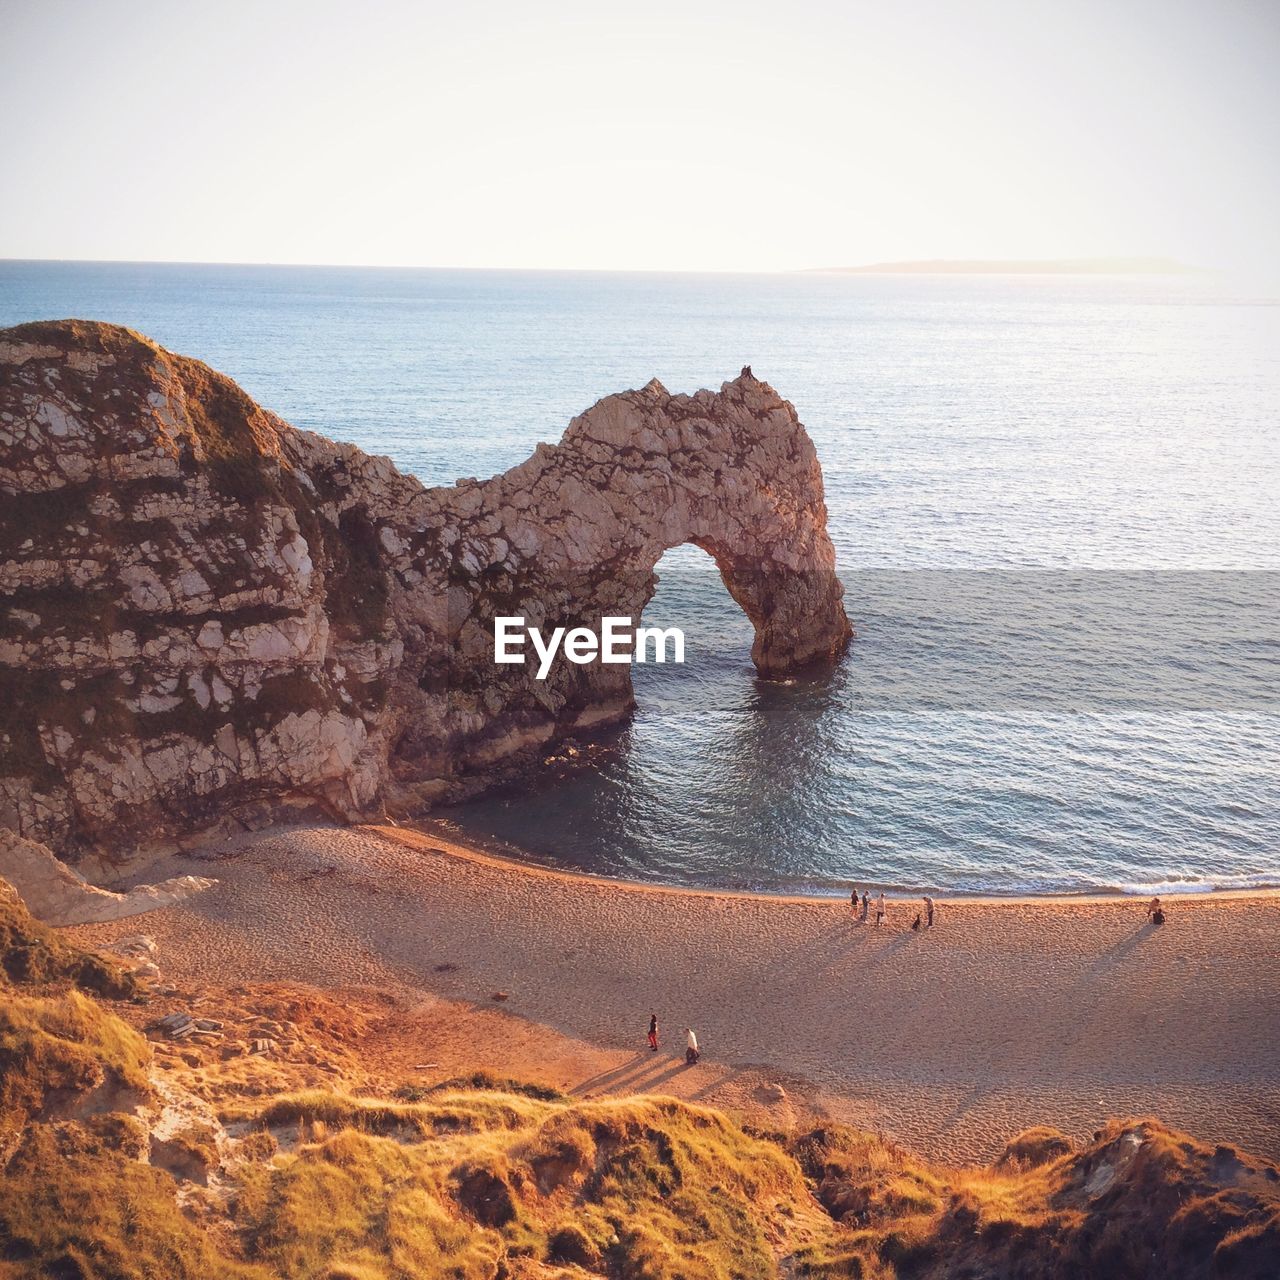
x: 208, y: 614
x: 58, y: 895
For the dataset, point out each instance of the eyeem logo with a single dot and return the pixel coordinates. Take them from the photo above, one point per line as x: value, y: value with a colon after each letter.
x: 617, y: 642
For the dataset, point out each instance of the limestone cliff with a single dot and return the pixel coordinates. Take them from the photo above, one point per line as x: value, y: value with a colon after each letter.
x: 56, y: 894
x: 206, y: 613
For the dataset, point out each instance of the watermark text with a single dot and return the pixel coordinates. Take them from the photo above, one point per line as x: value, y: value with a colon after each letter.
x: 618, y: 641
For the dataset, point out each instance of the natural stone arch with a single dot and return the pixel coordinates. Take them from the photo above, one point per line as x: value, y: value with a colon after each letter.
x: 642, y: 472
x: 212, y: 610
x: 573, y: 535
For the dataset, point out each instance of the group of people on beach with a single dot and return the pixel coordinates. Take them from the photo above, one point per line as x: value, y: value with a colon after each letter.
x: 861, y: 909
x: 691, y: 1053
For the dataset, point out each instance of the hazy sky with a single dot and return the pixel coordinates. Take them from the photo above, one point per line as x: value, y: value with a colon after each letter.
x: 717, y: 135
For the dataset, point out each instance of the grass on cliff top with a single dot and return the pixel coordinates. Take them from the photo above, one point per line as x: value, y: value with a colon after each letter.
x: 31, y: 954
x: 234, y: 433
x: 636, y: 1188
x: 62, y: 1048
x: 482, y: 1179
x: 100, y: 1215
x: 480, y: 1183
x: 1139, y: 1201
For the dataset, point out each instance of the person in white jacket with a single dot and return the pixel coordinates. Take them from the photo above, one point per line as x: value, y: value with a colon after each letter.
x: 692, y: 1053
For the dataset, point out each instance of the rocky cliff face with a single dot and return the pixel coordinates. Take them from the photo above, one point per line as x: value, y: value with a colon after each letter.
x: 207, y: 614
x: 56, y: 894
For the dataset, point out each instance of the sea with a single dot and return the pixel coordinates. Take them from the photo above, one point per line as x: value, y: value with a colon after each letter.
x: 1055, y: 503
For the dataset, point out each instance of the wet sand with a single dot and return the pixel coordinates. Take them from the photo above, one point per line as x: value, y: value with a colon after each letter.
x: 1006, y: 1014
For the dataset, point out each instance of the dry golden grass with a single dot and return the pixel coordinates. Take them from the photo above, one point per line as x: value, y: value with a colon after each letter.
x: 474, y: 1182
x: 481, y: 1178
x: 100, y: 1216
x: 1140, y: 1200
x: 644, y: 1187
x: 32, y: 954
x: 65, y: 1047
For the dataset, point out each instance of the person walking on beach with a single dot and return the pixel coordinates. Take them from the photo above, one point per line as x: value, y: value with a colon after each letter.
x: 880, y: 912
x: 653, y: 1032
x: 692, y: 1053
x: 866, y: 907
x: 928, y: 911
x: 853, y: 902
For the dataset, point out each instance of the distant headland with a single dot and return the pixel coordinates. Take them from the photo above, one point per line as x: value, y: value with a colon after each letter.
x: 1023, y: 267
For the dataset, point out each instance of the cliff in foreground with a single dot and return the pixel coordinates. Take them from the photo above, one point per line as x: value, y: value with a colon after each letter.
x: 209, y: 616
x: 123, y: 1154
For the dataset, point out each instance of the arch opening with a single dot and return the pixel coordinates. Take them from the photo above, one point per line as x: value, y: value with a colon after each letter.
x: 691, y: 593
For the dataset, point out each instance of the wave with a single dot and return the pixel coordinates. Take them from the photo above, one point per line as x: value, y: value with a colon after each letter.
x: 1172, y: 888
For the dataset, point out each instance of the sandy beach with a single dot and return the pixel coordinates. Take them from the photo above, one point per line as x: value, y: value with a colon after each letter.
x: 1006, y: 1014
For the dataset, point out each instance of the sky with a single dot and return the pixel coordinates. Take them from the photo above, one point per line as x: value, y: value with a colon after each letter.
x: 713, y: 136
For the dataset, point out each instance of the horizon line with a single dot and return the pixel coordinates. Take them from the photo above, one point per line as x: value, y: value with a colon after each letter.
x: 922, y: 266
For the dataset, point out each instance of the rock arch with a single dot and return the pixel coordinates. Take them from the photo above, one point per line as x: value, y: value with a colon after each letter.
x: 213, y: 614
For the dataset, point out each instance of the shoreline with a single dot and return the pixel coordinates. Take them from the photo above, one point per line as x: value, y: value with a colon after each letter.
x: 465, y: 844
x: 1060, y: 1012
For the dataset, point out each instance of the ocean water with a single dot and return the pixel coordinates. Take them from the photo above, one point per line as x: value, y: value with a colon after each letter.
x: 1054, y: 505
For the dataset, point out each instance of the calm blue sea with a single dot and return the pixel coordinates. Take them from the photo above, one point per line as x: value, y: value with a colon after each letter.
x: 1054, y: 503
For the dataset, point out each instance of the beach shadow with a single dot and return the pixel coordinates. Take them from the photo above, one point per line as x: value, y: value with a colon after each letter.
x: 895, y: 943
x: 732, y: 1074
x: 1118, y: 953
x: 870, y: 944
x: 679, y: 1066
x: 961, y: 1109
x: 820, y: 951
x: 616, y: 1075
x: 641, y: 1074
